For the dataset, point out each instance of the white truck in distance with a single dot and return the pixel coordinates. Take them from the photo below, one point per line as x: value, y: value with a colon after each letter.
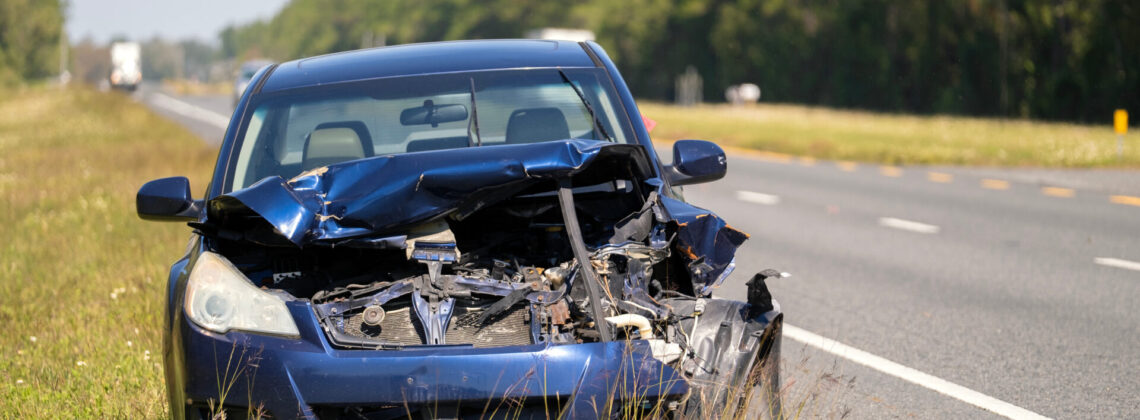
x: 126, y: 71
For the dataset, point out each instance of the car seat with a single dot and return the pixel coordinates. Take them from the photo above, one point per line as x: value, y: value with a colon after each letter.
x: 335, y: 142
x: 534, y: 125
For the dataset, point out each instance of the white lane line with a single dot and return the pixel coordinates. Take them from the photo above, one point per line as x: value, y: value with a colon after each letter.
x: 191, y: 111
x: 1118, y: 263
x: 913, y: 376
x: 758, y: 198
x: 912, y: 226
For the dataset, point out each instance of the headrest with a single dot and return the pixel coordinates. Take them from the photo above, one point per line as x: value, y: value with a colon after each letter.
x: 326, y: 146
x: 534, y: 125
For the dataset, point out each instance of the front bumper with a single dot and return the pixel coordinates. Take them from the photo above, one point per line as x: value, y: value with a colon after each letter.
x: 299, y: 377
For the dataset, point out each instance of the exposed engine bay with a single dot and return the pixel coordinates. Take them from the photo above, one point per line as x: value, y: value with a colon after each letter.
x: 505, y: 275
x: 589, y: 253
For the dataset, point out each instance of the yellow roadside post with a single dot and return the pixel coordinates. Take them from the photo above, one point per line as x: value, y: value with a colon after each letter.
x: 1120, y: 122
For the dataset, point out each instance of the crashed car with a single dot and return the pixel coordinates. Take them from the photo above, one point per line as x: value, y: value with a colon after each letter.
x: 471, y: 229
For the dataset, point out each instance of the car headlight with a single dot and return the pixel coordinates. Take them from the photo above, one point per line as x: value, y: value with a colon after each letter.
x: 220, y: 298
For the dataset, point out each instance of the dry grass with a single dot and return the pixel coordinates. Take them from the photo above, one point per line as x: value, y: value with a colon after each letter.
x: 814, y: 389
x: 896, y: 139
x: 82, y: 278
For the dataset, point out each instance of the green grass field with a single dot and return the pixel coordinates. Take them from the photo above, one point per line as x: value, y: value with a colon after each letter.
x: 896, y: 139
x: 81, y: 277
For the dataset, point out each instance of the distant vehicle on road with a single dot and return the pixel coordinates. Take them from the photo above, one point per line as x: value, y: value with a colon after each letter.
x: 126, y: 67
x: 474, y: 229
x: 245, y: 74
x: 561, y: 34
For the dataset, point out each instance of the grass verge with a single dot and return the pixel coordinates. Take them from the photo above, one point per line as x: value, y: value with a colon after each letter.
x: 81, y: 277
x: 896, y: 139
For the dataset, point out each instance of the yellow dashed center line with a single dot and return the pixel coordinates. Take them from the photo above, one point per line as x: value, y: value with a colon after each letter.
x: 995, y: 184
x: 846, y: 166
x: 1058, y: 192
x: 940, y: 177
x: 891, y: 171
x: 1125, y: 199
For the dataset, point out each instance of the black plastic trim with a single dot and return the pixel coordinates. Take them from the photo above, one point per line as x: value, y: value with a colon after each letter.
x: 593, y: 57
x: 260, y: 83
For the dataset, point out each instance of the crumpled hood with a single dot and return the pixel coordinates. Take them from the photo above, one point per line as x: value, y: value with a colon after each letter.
x: 381, y: 197
x: 382, y: 194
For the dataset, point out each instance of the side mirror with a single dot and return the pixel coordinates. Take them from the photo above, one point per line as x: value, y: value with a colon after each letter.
x: 167, y: 199
x: 696, y: 161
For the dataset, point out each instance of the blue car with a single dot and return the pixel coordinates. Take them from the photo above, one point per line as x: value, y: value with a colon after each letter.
x: 471, y: 229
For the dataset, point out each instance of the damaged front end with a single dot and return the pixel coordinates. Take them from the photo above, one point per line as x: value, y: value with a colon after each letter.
x: 514, y: 247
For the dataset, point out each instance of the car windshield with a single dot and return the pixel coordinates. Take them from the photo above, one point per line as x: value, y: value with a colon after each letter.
x: 301, y: 129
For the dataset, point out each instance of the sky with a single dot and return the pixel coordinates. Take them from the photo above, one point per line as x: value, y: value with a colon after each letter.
x: 139, y: 20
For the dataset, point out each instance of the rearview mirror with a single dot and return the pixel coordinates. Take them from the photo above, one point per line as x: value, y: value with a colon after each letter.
x: 167, y: 199
x: 433, y: 114
x: 696, y: 161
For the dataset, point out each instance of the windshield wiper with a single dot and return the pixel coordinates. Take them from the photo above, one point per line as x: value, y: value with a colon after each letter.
x: 474, y: 118
x: 597, y: 124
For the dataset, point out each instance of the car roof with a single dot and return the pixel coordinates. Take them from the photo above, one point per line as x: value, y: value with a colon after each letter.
x: 427, y: 58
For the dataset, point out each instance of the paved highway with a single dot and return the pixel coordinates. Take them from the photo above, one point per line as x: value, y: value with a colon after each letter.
x: 1019, y: 291
x: 924, y: 292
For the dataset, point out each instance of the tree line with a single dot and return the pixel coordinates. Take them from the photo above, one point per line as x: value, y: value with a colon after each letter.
x: 1050, y: 59
x: 30, y: 36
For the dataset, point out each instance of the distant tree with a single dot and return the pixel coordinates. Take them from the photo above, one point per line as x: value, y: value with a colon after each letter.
x: 198, y: 57
x: 90, y: 62
x: 30, y: 32
x: 162, y: 59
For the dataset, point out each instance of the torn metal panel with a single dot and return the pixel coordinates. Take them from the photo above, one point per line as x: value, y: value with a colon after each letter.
x: 707, y: 242
x: 734, y: 364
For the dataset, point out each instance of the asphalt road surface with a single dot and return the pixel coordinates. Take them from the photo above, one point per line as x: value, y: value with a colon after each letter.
x: 923, y: 292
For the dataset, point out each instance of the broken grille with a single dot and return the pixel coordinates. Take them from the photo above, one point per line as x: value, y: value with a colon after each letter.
x: 400, y: 326
x: 506, y: 329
